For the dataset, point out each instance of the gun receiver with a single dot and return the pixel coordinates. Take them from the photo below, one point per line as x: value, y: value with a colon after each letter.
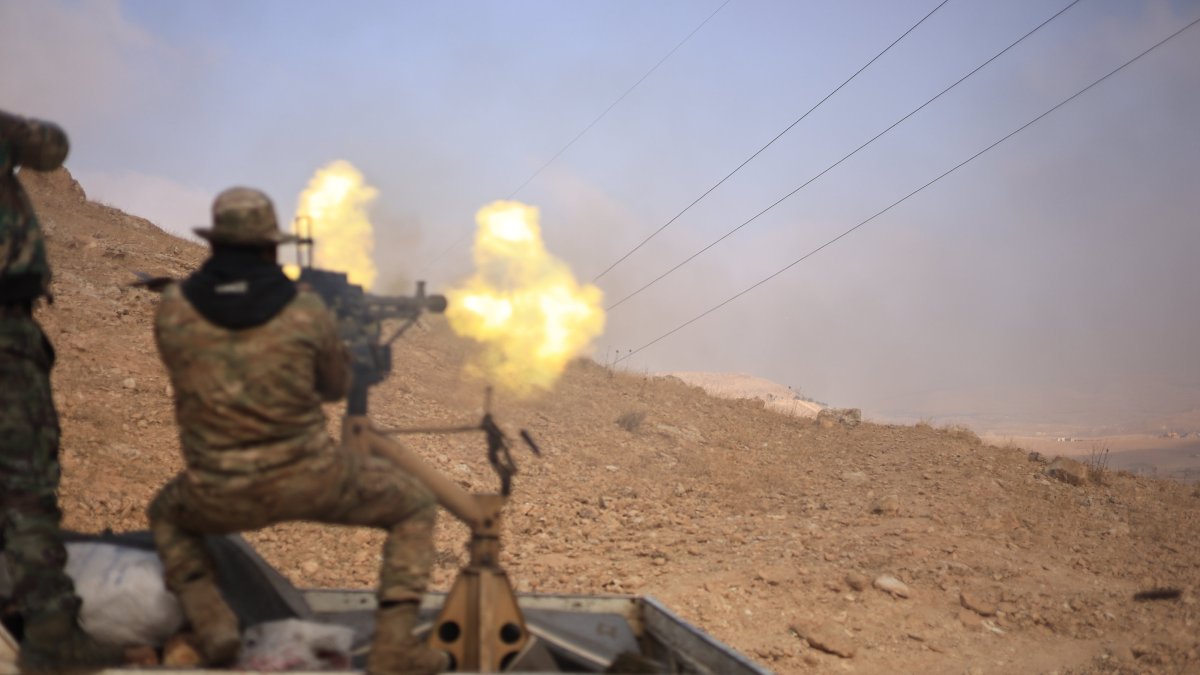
x: 360, y: 318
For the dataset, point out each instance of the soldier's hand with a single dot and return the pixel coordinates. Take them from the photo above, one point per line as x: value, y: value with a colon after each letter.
x: 39, y: 145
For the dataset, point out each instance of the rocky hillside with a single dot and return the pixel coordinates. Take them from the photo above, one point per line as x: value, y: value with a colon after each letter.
x: 810, y: 547
x: 776, y: 396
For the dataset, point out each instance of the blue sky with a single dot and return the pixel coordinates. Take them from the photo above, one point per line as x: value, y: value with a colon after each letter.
x: 1053, y: 278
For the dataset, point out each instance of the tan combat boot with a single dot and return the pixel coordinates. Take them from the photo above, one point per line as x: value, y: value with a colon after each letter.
x: 54, y: 641
x: 215, y: 625
x: 396, y: 651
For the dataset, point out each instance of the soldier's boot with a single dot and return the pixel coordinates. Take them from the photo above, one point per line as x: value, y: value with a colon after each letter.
x: 215, y: 625
x: 54, y: 641
x: 396, y: 651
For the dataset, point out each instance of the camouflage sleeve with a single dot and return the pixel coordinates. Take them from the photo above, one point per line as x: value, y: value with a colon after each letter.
x: 24, y: 269
x: 333, y: 359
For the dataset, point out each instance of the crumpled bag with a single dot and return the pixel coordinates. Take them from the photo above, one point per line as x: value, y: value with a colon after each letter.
x: 293, y: 644
x: 124, y: 600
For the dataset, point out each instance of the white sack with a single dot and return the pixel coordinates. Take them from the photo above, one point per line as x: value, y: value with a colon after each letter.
x: 124, y: 599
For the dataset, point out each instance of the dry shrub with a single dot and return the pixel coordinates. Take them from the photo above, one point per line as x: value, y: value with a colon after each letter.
x: 630, y: 421
x: 962, y: 433
x: 1097, y: 463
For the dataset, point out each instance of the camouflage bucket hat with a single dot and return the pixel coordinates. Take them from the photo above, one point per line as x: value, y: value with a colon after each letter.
x: 244, y: 217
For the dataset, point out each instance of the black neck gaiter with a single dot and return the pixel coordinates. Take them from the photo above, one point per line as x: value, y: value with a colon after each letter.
x: 237, y: 289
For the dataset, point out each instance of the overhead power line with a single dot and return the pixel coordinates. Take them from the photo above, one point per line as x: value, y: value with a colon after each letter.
x: 462, y: 237
x: 619, y: 99
x: 956, y: 167
x: 799, y: 119
x: 829, y: 168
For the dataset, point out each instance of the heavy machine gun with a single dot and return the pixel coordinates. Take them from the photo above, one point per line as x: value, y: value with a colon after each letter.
x: 360, y: 317
x: 480, y: 624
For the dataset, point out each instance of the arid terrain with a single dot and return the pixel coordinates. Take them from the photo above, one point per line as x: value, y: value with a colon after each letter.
x: 1163, y: 456
x: 773, y: 532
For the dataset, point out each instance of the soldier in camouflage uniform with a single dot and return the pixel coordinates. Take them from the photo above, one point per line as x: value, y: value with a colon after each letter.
x: 251, y: 356
x: 29, y: 469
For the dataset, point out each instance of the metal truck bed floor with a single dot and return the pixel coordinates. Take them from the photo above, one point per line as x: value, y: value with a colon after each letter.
x: 573, y: 633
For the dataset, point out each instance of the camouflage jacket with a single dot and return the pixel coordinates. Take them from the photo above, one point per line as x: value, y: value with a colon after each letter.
x: 249, y: 400
x: 24, y: 271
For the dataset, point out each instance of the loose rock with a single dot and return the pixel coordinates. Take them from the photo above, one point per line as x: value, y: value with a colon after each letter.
x: 857, y: 581
x: 970, y: 619
x: 818, y: 638
x: 847, y: 417
x: 888, y: 505
x: 977, y: 602
x: 892, y: 585
x: 1068, y: 471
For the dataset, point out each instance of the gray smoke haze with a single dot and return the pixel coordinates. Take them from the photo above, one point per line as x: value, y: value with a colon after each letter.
x: 1052, y: 280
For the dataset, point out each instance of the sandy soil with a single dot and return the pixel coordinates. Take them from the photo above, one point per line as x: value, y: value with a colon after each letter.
x: 770, y: 531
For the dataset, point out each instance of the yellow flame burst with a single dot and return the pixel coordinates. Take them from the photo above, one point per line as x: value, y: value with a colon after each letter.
x: 335, y: 202
x: 523, y: 304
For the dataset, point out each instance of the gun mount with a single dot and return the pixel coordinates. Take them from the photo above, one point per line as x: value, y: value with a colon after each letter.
x: 480, y: 624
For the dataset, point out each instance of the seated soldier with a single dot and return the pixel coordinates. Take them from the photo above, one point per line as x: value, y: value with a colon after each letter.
x: 251, y: 356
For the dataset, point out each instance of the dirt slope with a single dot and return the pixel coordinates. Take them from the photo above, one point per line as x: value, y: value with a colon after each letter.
x: 776, y: 396
x: 756, y: 526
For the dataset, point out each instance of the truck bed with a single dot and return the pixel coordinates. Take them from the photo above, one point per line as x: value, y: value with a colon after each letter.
x: 571, y: 633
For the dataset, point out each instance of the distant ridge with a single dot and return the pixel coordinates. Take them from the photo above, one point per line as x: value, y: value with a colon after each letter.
x: 778, y: 397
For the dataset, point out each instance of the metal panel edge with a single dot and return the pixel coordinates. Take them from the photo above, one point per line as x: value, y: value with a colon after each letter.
x: 684, y: 638
x: 341, y: 600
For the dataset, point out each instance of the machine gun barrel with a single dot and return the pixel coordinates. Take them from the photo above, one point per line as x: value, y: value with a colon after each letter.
x: 404, y: 306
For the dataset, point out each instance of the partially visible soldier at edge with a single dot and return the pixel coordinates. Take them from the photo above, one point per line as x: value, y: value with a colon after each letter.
x: 29, y: 432
x: 251, y: 356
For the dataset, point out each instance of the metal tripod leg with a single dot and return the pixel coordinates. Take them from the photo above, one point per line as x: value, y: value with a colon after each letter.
x: 480, y: 624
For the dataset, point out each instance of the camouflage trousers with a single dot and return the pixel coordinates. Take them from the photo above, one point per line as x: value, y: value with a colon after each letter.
x: 334, y: 486
x: 29, y: 470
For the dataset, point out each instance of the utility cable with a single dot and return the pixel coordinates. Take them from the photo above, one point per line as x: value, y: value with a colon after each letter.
x: 769, y: 144
x: 906, y: 197
x: 457, y: 242
x: 619, y: 99
x: 835, y: 164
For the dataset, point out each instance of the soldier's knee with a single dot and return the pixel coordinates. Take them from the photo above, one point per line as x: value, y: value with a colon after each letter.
x: 425, y: 511
x: 156, y: 510
x: 427, y: 498
x: 165, y: 506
